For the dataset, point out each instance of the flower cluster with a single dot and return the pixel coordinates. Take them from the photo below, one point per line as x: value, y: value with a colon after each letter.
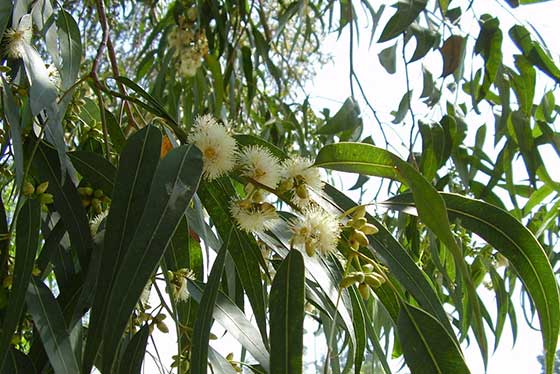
x: 190, y: 48
x: 217, y: 145
x: 178, y: 282
x: 294, y: 180
x: 18, y: 38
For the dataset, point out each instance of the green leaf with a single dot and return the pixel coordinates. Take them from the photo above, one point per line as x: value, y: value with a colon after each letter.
x: 286, y: 306
x: 17, y: 363
x: 5, y: 14
x: 426, y: 39
x: 235, y: 322
x: 404, y: 107
x: 204, y: 320
x: 70, y: 48
x: 115, y: 132
x: 48, y: 319
x: 11, y: 111
x: 453, y: 54
x: 175, y: 182
x: 489, y: 46
x: 347, y: 119
x: 218, y: 85
x: 388, y: 59
x: 426, y: 345
x: 27, y: 242
x: 513, y: 240
x: 407, y: 11
x: 534, y: 52
x: 135, y: 352
x: 95, y: 169
x: 138, y: 163
x: 66, y: 200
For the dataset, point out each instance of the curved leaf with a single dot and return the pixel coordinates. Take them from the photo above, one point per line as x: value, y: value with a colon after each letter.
x: 512, y: 239
x: 367, y: 159
x: 70, y: 48
x: 286, y: 305
x: 174, y: 183
x: 27, y: 241
x: 426, y: 345
x: 204, y: 320
x: 49, y: 321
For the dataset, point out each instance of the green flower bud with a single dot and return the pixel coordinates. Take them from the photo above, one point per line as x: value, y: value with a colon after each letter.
x: 364, y: 290
x: 98, y: 193
x: 42, y: 188
x: 85, y: 191
x: 28, y: 189
x: 368, y: 268
x: 360, y: 212
x: 358, y: 223
x: 360, y: 237
x: 46, y: 199
x: 369, y: 229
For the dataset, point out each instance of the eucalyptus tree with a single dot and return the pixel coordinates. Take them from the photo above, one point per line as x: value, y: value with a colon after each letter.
x: 162, y: 167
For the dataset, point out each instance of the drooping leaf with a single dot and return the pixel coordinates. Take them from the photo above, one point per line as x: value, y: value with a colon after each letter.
x: 388, y: 59
x: 286, y: 305
x: 70, y: 48
x: 66, y: 199
x: 235, y: 322
x: 404, y: 107
x: 534, y: 52
x: 512, y: 239
x: 489, y: 46
x: 138, y: 163
x: 174, y: 183
x: 5, y: 14
x: 452, y: 52
x: 426, y: 345
x: 48, y: 319
x: 205, y: 319
x: 407, y: 11
x: 27, y: 241
x: 426, y: 39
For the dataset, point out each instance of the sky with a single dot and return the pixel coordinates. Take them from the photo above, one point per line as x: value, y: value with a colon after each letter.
x: 330, y: 88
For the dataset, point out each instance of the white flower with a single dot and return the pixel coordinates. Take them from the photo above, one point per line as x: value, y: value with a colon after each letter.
x: 301, y: 176
x: 145, y: 296
x: 18, y: 38
x: 316, y: 230
x: 180, y: 290
x: 97, y: 220
x: 253, y: 217
x: 260, y: 165
x: 54, y: 76
x: 218, y: 147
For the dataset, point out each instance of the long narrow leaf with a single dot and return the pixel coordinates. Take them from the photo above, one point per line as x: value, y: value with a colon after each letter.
x: 205, y: 319
x: 48, y: 320
x: 27, y: 241
x: 174, y: 184
x: 286, y: 305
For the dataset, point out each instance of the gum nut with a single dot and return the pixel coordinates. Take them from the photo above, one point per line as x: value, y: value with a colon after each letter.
x: 364, y: 290
x: 360, y: 212
x: 42, y: 188
x: 358, y: 223
x: 369, y: 229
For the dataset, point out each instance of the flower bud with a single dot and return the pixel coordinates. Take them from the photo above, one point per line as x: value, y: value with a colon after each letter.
x: 162, y: 327
x: 28, y: 189
x: 46, y: 199
x: 358, y: 223
x: 42, y: 188
x: 85, y: 191
x: 302, y: 192
x: 368, y: 268
x: 360, y: 237
x: 369, y: 229
x: 360, y: 212
x: 98, y: 193
x: 364, y: 290
x: 309, y: 248
x: 374, y: 280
